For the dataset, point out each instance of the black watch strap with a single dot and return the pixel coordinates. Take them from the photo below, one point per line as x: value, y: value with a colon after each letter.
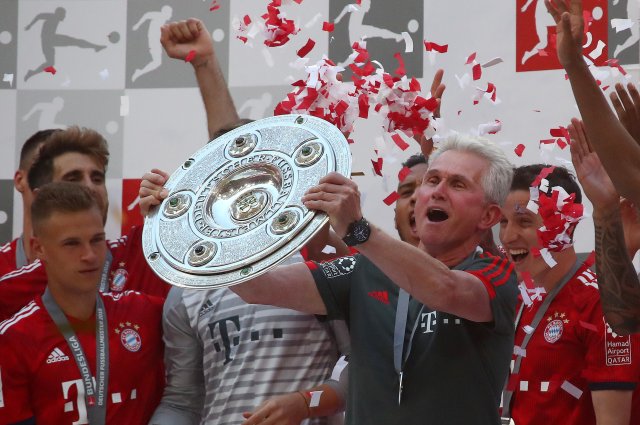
x: 357, y: 233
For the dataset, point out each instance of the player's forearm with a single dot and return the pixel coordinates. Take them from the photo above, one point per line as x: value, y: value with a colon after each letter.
x: 328, y: 402
x: 289, y: 286
x: 426, y: 278
x: 217, y: 99
x: 618, y: 151
x: 612, y: 407
x: 617, y: 278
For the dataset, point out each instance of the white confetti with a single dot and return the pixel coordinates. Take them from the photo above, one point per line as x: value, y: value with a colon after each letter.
x: 544, y: 386
x: 571, y: 389
x: 338, y: 368
x: 546, y: 256
x: 315, y: 398
x: 518, y: 351
x: 268, y: 58
x: 328, y: 250
x: 124, y: 106
x: 527, y: 329
x: 104, y: 74
x: 8, y: 78
x: 621, y: 24
x: 524, y: 385
x: 492, y: 62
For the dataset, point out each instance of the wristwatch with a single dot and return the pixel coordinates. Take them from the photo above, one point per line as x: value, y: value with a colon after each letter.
x: 357, y: 233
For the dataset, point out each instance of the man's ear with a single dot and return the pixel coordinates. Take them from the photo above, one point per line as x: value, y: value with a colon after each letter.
x: 491, y: 216
x: 36, y: 248
x: 20, y: 181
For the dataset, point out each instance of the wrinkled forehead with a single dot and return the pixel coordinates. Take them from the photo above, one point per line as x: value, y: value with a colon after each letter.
x: 466, y: 164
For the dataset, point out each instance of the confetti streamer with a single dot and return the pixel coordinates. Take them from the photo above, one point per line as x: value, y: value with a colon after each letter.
x: 8, y: 78
x: 399, y: 141
x: 518, y: 351
x: 328, y: 26
x: 434, y: 47
x: 51, y: 70
x: 519, y: 149
x: 408, y: 42
x: 392, y: 198
x: 403, y: 173
x: 315, y: 398
x: 621, y: 24
x: 338, y: 368
x: 571, y: 389
x: 190, y: 56
x: 304, y: 50
x: 377, y: 166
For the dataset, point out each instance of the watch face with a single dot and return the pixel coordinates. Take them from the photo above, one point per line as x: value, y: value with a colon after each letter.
x: 361, y: 232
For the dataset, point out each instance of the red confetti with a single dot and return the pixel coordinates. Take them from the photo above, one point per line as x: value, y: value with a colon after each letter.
x: 519, y: 149
x: 404, y: 172
x: 471, y: 58
x: 328, y: 26
x: 246, y: 20
x: 615, y: 63
x: 440, y: 48
x: 51, y: 70
x: 377, y: 166
x: 399, y: 141
x: 543, y: 175
x: 400, y: 71
x: 242, y: 38
x: 214, y: 6
x: 392, y: 198
x: 477, y: 72
x: 363, y: 104
x: 190, y: 56
x: 306, y: 48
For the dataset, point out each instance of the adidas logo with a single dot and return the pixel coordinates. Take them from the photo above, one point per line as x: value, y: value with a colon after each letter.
x: 56, y: 356
x: 206, y: 307
x: 382, y: 296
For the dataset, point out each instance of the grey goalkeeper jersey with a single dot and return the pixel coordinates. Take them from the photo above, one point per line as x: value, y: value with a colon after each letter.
x: 224, y: 357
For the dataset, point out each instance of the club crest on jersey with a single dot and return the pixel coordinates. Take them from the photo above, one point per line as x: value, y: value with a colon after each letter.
x: 339, y: 267
x: 119, y: 279
x: 555, y: 327
x: 129, y: 336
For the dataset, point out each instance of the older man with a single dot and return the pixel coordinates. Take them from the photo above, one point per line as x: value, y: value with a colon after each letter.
x: 441, y: 340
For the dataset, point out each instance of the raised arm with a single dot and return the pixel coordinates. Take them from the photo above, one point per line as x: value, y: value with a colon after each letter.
x: 427, y: 279
x: 617, y: 280
x: 618, y: 151
x: 181, y: 38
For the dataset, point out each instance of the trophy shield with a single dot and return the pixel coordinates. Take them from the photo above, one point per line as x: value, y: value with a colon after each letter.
x: 234, y: 208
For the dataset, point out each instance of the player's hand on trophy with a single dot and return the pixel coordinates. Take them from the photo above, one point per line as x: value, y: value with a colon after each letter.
x: 152, y: 191
x: 286, y: 409
x: 567, y: 15
x: 181, y: 38
x: 339, y: 197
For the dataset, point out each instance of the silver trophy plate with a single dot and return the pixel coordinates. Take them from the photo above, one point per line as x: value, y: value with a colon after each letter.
x: 234, y: 208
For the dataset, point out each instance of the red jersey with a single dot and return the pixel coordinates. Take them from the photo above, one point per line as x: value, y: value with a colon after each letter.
x: 128, y: 271
x: 571, y: 353
x: 39, y: 376
x: 8, y: 257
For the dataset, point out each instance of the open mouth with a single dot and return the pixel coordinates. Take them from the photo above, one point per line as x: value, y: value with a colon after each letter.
x: 518, y: 255
x: 412, y: 222
x: 437, y: 215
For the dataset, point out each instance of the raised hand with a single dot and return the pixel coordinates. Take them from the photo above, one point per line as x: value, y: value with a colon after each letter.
x: 567, y: 15
x: 592, y: 176
x: 627, y: 106
x: 182, y: 37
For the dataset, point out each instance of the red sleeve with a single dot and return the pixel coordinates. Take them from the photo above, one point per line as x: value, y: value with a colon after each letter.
x: 612, y: 360
x: 14, y: 384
